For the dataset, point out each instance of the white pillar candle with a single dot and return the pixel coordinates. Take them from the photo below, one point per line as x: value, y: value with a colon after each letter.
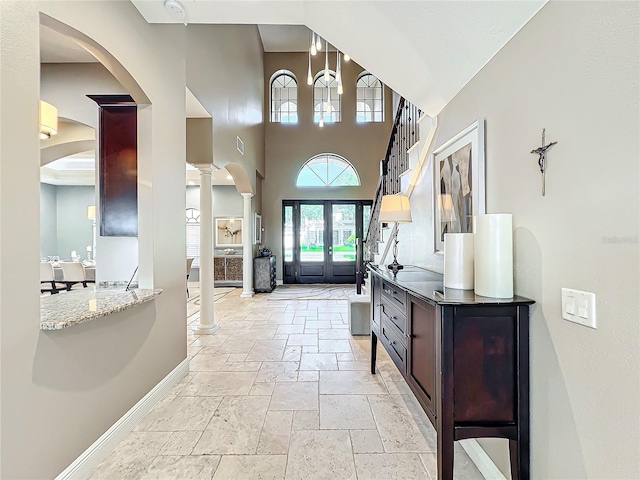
x: 458, y: 260
x: 493, y: 255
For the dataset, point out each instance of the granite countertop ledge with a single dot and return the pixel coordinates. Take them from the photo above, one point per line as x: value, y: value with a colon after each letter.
x: 67, y: 309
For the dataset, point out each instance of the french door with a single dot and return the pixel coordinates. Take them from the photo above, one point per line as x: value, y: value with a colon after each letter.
x: 319, y: 239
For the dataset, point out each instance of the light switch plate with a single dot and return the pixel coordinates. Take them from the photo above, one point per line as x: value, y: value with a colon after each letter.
x: 579, y: 307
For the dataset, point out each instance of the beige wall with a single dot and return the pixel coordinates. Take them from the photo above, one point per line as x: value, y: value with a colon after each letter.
x: 224, y: 71
x: 574, y: 70
x: 289, y: 146
x: 62, y: 390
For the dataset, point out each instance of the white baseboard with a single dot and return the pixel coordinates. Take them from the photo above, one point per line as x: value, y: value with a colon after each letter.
x: 479, y: 457
x: 83, y: 466
x: 279, y: 282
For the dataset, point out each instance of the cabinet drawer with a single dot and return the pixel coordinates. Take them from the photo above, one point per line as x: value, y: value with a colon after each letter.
x: 394, y: 295
x: 394, y: 317
x: 393, y: 345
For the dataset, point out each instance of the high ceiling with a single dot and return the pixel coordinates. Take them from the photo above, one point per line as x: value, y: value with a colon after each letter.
x: 427, y: 51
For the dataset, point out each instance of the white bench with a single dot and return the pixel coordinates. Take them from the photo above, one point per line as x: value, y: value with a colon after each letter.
x: 359, y: 314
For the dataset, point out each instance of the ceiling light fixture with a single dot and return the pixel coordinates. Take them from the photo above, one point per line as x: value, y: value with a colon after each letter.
x: 327, y: 75
x: 339, y: 73
x: 48, y: 120
x: 313, y: 50
x: 309, y: 76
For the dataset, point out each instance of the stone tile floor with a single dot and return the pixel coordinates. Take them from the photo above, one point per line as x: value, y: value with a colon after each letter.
x: 282, y: 391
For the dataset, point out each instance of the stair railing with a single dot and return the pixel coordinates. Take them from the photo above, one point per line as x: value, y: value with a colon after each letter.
x: 404, y: 135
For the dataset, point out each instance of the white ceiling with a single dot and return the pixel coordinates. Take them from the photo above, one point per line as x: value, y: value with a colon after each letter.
x: 424, y: 50
x: 58, y: 48
x: 285, y: 38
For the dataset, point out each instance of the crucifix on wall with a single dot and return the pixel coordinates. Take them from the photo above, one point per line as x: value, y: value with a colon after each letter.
x: 542, y: 158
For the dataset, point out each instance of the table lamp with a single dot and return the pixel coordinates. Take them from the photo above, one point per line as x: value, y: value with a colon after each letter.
x: 396, y: 209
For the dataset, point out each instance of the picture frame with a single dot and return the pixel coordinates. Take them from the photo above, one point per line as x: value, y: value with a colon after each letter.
x: 228, y: 232
x: 458, y: 183
x: 257, y: 229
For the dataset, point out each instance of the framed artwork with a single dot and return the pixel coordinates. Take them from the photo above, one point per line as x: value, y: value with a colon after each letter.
x: 228, y: 232
x: 458, y: 183
x: 257, y: 229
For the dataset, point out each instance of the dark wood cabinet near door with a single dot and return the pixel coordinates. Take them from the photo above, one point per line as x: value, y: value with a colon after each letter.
x: 465, y: 357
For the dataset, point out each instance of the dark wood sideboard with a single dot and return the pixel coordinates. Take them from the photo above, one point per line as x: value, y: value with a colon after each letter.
x: 465, y: 357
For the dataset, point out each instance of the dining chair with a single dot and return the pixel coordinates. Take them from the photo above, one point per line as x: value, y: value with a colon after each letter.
x: 72, y: 273
x: 189, y: 262
x: 47, y: 275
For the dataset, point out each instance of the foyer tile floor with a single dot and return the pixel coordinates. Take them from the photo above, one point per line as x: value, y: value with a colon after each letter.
x: 282, y: 391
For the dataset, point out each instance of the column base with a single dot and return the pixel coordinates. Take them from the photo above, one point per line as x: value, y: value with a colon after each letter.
x: 248, y: 294
x: 206, y: 330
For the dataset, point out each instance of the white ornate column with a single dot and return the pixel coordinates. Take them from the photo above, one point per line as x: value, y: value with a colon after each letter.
x: 207, y: 325
x: 247, y: 250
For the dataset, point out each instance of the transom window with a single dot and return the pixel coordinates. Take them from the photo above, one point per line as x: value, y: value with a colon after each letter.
x: 328, y: 170
x: 369, y: 104
x: 284, y: 97
x: 321, y: 98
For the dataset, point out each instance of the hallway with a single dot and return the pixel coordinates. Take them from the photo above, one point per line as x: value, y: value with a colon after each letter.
x: 282, y: 391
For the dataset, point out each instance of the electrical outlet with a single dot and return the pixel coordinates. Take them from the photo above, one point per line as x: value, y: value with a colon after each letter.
x: 579, y: 307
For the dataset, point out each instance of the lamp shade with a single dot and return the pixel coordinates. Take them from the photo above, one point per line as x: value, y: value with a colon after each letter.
x: 395, y: 208
x: 48, y: 120
x: 91, y: 212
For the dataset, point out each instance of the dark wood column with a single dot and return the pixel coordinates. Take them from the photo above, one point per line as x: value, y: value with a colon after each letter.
x: 118, y: 165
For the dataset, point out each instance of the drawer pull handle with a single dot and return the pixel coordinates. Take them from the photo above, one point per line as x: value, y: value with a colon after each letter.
x: 394, y: 318
x: 392, y: 342
x: 378, y: 304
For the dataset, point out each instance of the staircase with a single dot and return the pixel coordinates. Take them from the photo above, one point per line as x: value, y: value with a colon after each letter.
x: 409, y: 144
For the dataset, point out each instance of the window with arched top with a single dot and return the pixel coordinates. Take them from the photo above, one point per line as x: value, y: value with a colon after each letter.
x: 284, y: 97
x: 328, y: 170
x: 369, y: 99
x: 326, y: 101
x: 193, y: 235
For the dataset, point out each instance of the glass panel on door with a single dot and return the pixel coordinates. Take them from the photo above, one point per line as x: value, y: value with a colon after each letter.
x: 287, y: 244
x: 312, y: 247
x: 343, y: 233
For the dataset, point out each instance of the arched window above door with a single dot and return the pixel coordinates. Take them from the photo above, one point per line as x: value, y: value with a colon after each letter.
x: 328, y: 170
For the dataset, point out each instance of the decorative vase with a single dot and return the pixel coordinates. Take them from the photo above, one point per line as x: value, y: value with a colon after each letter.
x: 493, y: 252
x: 458, y: 261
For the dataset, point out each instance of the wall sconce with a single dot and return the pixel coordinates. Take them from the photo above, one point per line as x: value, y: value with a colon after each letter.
x: 395, y: 208
x: 48, y: 120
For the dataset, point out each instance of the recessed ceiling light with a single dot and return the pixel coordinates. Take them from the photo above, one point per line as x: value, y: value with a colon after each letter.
x: 191, y: 182
x: 229, y: 177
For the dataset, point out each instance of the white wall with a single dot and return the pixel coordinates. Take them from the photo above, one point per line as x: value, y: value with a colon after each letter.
x: 62, y: 390
x: 574, y: 70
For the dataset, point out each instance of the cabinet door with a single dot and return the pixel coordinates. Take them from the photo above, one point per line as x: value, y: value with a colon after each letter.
x: 422, y: 350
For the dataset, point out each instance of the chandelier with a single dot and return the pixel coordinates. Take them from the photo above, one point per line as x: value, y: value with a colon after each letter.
x: 314, y: 49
